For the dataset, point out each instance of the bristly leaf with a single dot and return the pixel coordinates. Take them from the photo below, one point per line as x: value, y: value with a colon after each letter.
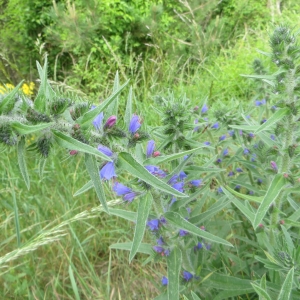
x: 22, y: 162
x: 72, y: 144
x: 112, y: 109
x: 177, y: 220
x: 27, y: 129
x: 262, y: 293
x: 128, y: 111
x: 275, y: 188
x: 128, y: 163
x: 145, y: 204
x: 85, y: 188
x: 8, y: 101
x: 92, y: 168
x: 287, y: 286
x: 174, y: 265
x: 88, y: 117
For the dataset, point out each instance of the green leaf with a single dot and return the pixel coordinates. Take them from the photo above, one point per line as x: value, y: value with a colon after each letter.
x: 244, y: 210
x: 243, y: 196
x: 112, y: 109
x: 277, y: 116
x: 166, y: 158
x: 174, y: 265
x: 85, y: 188
x: 128, y: 163
x: 245, y: 127
x: 195, y: 297
x: 125, y: 214
x: 22, y: 163
x: 9, y: 99
x: 92, y: 168
x: 262, y: 293
x: 26, y: 129
x: 287, y: 286
x: 273, y: 191
x: 89, y: 116
x: 177, y: 220
x: 143, y: 248
x: 128, y: 111
x: 73, y: 283
x: 72, y: 144
x: 203, y: 169
x: 145, y: 205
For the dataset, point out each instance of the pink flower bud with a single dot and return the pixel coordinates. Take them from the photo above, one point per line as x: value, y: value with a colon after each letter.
x: 73, y: 152
x: 156, y: 153
x: 111, y: 121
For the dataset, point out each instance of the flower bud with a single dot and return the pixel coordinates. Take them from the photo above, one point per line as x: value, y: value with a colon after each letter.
x: 111, y: 121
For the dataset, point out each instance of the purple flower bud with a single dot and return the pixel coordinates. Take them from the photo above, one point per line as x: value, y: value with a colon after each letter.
x: 198, y: 246
x: 163, y: 220
x: 215, y: 126
x: 251, y: 135
x: 237, y: 187
x: 206, y: 143
x: 259, y: 103
x: 230, y: 174
x: 160, y: 241
x: 183, y: 232
x: 240, y: 132
x: 251, y: 193
x: 231, y: 132
x: 156, y: 153
x: 108, y: 171
x: 196, y: 128
x: 134, y: 124
x: 164, y: 280
x: 173, y: 179
x: 111, y: 121
x: 246, y: 151
x: 274, y: 166
x: 273, y: 137
x: 196, y: 182
x: 253, y: 158
x: 150, y: 148
x: 204, y: 109
x: 153, y: 224
x: 222, y: 138
x: 219, y: 160
x: 239, y: 170
x: 73, y: 152
x: 97, y: 122
x: 167, y: 252
x: 187, y: 275
x: 220, y: 190
x: 208, y: 246
x: 105, y: 150
x: 225, y: 152
x: 129, y: 197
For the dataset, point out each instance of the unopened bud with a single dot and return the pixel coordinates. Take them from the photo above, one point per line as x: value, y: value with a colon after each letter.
x: 156, y: 153
x: 111, y: 121
x: 73, y: 152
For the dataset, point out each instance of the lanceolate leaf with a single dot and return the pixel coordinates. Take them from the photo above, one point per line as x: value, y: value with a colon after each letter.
x: 244, y: 196
x: 275, y: 187
x: 143, y: 248
x: 112, y: 109
x: 85, y: 188
x: 163, y: 159
x: 177, y: 220
x: 9, y: 99
x: 89, y: 116
x: 22, y: 163
x: 72, y: 144
x: 125, y: 214
x: 128, y: 111
x: 145, y: 204
x: 92, y: 168
x: 262, y: 293
x: 26, y: 129
x: 286, y: 288
x: 126, y: 161
x: 174, y: 266
x: 278, y: 115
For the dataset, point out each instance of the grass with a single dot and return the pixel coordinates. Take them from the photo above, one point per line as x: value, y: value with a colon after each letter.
x: 60, y: 246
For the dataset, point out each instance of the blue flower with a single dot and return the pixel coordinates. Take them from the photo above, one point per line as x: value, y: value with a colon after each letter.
x: 134, y: 124
x: 259, y: 103
x: 183, y: 232
x: 220, y: 190
x: 273, y: 137
x: 121, y: 189
x: 153, y: 224
x: 231, y: 132
x: 206, y: 143
x: 230, y: 174
x: 215, y: 126
x: 246, y: 151
x: 164, y: 280
x: 105, y: 150
x: 150, y: 148
x: 108, y: 171
x: 97, y: 122
x: 178, y: 186
x: 173, y: 179
x: 204, y: 109
x: 129, y: 197
x: 155, y: 171
x: 239, y: 170
x: 158, y: 249
x: 187, y: 275
x: 219, y: 160
x: 251, y: 135
x: 196, y: 182
x: 237, y: 187
x: 182, y: 175
x: 167, y: 252
x: 198, y: 246
x: 253, y: 158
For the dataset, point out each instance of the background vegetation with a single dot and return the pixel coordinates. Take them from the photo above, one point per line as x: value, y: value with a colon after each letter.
x: 198, y: 47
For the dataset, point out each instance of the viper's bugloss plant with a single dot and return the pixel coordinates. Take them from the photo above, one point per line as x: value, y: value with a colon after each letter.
x: 218, y: 201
